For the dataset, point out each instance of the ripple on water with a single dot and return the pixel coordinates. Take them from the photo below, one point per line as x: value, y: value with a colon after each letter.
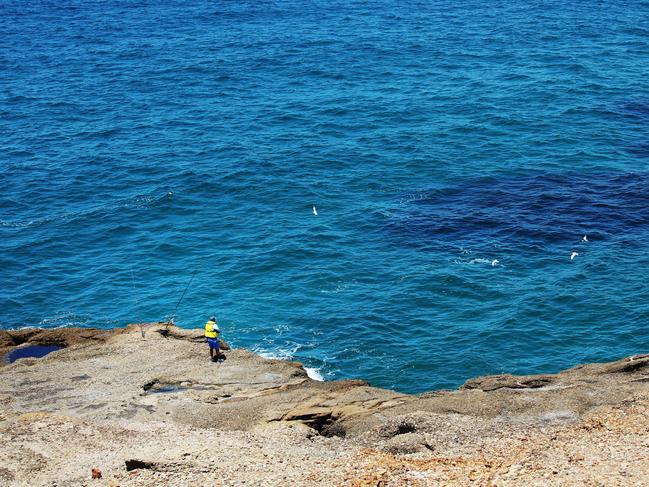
x: 433, y: 137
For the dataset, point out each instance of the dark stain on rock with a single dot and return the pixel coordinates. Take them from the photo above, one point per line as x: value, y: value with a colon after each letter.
x: 78, y: 378
x: 321, y: 420
x: 135, y: 464
x: 94, y: 406
x: 632, y: 364
x: 402, y: 426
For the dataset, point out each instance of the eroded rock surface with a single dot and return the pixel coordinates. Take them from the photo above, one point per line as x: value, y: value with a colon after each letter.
x: 146, y: 406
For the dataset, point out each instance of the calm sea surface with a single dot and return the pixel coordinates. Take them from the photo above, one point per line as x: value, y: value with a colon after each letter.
x: 143, y: 142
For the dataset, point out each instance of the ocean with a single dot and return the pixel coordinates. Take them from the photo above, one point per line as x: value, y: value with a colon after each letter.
x: 456, y: 154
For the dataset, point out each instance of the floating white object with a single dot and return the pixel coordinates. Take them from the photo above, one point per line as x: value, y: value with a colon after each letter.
x: 494, y: 262
x: 315, y: 212
x: 573, y: 255
x: 584, y: 238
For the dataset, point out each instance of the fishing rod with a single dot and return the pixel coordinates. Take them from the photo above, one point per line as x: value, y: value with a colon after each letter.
x: 173, y: 316
x: 137, y: 301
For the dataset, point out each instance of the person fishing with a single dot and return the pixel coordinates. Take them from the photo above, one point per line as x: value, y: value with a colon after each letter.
x: 212, y: 331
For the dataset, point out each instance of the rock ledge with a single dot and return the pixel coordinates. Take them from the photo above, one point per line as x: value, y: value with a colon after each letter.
x: 145, y: 406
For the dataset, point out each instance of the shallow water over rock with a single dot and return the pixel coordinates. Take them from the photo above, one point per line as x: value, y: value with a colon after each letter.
x: 31, y: 351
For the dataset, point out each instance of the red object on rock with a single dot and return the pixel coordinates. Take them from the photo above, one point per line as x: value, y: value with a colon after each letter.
x: 96, y: 473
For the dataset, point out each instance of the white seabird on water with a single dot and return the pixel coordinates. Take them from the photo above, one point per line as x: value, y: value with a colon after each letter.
x: 584, y: 238
x: 573, y: 255
x: 315, y: 212
x: 494, y: 262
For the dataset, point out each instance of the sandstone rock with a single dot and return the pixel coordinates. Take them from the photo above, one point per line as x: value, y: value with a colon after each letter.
x: 492, y: 383
x: 154, y: 411
x: 407, y: 443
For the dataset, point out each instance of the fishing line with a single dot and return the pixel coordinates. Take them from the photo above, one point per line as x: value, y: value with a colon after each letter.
x: 137, y: 302
x: 173, y: 316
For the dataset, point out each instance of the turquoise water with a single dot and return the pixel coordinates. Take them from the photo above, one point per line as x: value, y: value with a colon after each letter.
x: 143, y: 142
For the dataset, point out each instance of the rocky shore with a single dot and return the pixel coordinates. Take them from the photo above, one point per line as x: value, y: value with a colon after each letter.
x: 143, y: 405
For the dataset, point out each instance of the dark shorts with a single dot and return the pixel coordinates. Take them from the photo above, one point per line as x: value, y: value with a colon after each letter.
x: 213, y: 343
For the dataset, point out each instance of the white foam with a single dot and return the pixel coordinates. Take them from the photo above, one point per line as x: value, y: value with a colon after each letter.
x: 36, y: 327
x: 268, y: 355
x: 288, y: 354
x: 314, y: 373
x: 479, y: 261
x: 279, y: 354
x: 340, y: 287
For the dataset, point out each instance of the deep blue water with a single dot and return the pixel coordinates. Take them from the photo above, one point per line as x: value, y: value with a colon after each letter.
x: 141, y: 142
